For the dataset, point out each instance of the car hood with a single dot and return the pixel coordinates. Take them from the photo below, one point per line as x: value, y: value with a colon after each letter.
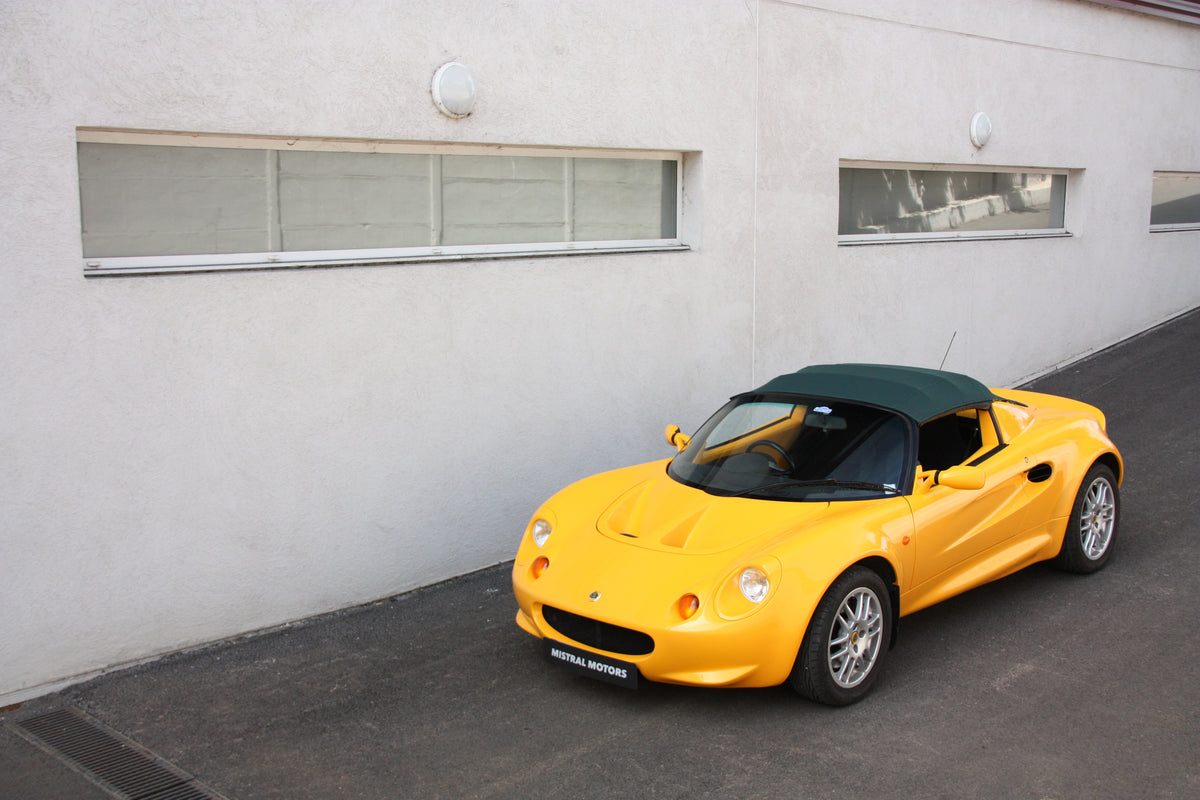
x: 659, y: 513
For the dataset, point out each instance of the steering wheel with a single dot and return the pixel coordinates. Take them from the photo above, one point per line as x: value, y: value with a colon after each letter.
x: 778, y: 448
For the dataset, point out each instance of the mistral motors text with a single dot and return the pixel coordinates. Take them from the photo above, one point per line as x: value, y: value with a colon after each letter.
x: 590, y: 664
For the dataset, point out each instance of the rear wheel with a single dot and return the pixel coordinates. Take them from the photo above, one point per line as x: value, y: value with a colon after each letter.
x: 1092, y: 528
x: 843, y: 649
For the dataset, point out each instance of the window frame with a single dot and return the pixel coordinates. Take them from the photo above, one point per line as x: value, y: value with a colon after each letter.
x: 1171, y: 227
x: 222, y: 262
x: 861, y: 239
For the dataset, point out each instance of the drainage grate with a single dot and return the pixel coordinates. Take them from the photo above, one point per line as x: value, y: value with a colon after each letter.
x: 116, y: 764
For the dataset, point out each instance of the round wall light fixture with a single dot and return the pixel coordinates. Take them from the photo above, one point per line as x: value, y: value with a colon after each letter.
x: 453, y: 90
x: 981, y: 129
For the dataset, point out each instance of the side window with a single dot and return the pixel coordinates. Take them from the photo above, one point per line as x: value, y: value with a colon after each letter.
x: 154, y: 203
x: 956, y: 438
x: 1175, y: 201
x: 905, y: 203
x: 989, y: 433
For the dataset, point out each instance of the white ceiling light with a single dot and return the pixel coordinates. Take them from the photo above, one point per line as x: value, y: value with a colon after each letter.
x: 981, y: 129
x: 453, y: 90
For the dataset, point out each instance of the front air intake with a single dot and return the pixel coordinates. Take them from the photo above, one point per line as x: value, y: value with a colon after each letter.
x: 597, y: 634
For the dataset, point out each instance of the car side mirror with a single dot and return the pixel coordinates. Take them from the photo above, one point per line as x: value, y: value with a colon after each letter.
x: 677, y: 437
x: 961, y: 477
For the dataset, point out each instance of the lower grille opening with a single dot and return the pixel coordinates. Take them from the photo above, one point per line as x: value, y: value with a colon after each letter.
x: 597, y: 634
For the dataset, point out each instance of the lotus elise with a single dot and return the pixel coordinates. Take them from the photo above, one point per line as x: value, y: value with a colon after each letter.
x: 788, y: 535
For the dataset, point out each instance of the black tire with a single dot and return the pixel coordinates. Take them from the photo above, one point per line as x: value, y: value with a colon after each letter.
x: 843, y: 650
x: 1092, y: 528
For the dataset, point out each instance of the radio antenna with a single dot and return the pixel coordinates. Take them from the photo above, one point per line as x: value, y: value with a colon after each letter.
x: 947, y: 353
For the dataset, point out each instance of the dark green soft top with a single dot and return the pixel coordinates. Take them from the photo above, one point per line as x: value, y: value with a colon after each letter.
x: 919, y: 393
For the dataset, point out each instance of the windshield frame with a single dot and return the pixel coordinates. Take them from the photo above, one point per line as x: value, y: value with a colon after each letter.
x: 689, y: 466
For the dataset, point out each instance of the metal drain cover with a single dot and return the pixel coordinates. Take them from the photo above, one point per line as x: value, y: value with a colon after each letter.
x: 113, y: 762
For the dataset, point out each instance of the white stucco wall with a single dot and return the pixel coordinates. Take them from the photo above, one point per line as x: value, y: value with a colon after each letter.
x: 189, y: 457
x: 1111, y: 95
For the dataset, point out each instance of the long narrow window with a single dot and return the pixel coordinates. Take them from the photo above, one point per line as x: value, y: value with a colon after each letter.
x: 1175, y: 203
x: 898, y: 203
x: 160, y: 203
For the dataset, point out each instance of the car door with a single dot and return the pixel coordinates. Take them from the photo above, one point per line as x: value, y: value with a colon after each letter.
x: 955, y: 528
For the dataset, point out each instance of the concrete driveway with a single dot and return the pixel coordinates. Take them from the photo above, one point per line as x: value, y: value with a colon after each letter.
x: 1043, y: 685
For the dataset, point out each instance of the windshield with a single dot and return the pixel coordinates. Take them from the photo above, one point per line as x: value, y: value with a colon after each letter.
x: 796, y: 449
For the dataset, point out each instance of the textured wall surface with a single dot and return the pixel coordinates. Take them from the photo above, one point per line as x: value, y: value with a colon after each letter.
x: 190, y: 457
x: 1106, y: 94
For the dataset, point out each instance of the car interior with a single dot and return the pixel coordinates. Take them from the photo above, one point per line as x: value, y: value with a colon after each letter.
x: 950, y: 440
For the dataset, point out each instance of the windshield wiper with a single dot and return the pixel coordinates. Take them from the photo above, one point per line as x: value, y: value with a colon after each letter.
x: 826, y: 482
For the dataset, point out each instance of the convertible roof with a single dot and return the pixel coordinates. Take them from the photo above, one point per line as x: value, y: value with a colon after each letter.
x: 916, y: 392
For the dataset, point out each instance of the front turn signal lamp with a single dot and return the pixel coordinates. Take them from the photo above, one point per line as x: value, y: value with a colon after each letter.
x: 540, y: 565
x: 688, y: 605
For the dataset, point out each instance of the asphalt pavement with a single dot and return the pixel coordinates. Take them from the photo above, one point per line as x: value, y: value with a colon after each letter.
x: 1042, y: 686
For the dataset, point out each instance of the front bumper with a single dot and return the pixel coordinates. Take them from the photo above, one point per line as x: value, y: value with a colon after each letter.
x: 758, y: 649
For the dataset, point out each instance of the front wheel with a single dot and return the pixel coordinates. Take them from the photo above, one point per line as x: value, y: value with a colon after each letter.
x: 1092, y: 527
x: 843, y: 649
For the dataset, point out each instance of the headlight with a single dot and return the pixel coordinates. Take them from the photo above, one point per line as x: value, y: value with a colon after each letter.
x: 754, y: 584
x: 540, y: 531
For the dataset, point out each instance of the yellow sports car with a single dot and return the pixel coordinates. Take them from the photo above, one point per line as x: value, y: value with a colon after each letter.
x: 789, y: 534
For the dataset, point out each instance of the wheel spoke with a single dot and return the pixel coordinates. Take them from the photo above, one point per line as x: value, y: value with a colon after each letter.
x: 1097, y: 518
x: 854, y: 637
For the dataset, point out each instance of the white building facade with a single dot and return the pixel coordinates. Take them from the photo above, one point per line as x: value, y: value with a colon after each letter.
x: 281, y: 336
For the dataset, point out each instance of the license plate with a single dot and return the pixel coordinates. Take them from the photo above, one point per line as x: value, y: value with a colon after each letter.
x: 601, y: 668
